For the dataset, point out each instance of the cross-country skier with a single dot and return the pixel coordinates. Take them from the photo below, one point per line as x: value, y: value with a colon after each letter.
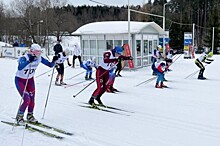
x: 60, y: 66
x: 102, y: 74
x: 24, y: 81
x: 58, y: 47
x: 88, y: 65
x: 117, y: 51
x: 159, y: 68
x: 204, y: 58
x: 156, y: 56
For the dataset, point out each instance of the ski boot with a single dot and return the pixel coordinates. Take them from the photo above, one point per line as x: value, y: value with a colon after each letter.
x: 62, y: 83
x: 113, y: 89
x: 204, y: 78
x: 91, y: 102
x: 20, y: 119
x: 154, y: 74
x: 109, y: 90
x: 90, y: 77
x: 119, y: 75
x: 158, y: 86
x: 31, y: 118
x: 100, y: 102
x: 201, y: 78
x: 86, y: 77
x: 165, y: 80
x: 163, y: 86
x: 57, y: 82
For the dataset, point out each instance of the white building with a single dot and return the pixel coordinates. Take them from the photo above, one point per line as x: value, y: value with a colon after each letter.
x: 144, y: 37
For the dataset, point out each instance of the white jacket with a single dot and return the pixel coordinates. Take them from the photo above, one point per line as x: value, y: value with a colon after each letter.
x: 77, y: 50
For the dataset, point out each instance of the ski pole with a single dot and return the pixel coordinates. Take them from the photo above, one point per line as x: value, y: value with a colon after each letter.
x: 176, y: 58
x: 78, y: 75
x: 75, y: 75
x: 192, y: 74
x: 56, y: 71
x: 74, y: 84
x: 46, y: 72
x: 42, y: 73
x: 94, y: 80
x: 25, y: 87
x: 146, y: 81
x: 89, y: 84
x: 48, y: 91
x: 84, y: 88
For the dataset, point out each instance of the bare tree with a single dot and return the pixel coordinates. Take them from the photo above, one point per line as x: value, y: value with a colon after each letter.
x: 54, y: 17
x: 28, y: 14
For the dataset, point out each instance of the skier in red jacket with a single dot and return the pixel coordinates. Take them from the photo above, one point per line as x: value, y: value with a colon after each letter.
x: 102, y: 74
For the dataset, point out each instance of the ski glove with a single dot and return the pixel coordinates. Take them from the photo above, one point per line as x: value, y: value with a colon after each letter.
x: 55, y: 58
x: 32, y: 58
x: 57, y: 66
x: 125, y: 58
x: 130, y: 58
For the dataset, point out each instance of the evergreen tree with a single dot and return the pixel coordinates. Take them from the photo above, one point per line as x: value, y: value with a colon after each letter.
x: 213, y: 23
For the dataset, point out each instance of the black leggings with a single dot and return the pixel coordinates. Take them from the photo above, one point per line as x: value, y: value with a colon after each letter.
x: 201, y: 66
x: 74, y: 57
x: 60, y: 69
x: 118, y: 69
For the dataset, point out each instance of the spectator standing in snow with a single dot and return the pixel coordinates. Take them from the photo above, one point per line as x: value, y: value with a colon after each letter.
x: 76, y: 54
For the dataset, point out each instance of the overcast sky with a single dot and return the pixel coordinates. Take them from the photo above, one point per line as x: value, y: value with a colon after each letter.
x: 88, y: 2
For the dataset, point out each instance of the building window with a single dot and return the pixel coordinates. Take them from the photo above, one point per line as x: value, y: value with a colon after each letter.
x: 101, y: 49
x: 117, y: 43
x: 109, y: 44
x: 145, y: 49
x: 93, y: 47
x: 86, y: 50
x: 138, y: 47
x: 150, y: 48
x: 155, y: 44
x: 125, y: 42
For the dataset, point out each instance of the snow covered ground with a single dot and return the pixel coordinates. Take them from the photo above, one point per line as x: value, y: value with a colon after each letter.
x: 186, y: 114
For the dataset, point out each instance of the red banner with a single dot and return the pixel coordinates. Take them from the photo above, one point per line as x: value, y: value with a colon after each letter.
x: 128, y: 53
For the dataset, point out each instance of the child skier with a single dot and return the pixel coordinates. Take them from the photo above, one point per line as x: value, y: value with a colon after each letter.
x: 88, y: 65
x: 204, y: 58
x: 24, y: 81
x: 159, y: 68
x: 156, y: 56
x: 102, y: 74
x: 60, y: 66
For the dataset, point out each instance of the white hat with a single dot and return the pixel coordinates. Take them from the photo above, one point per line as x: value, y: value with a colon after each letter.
x: 36, y: 50
x: 35, y: 47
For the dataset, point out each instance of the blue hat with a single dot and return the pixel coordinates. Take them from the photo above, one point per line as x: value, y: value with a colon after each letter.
x: 118, y: 50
